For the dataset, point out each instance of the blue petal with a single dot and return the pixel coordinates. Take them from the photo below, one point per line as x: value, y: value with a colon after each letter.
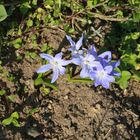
x: 108, y: 69
x: 92, y: 75
x: 95, y: 64
x: 99, y: 67
x: 79, y: 43
x: 110, y: 78
x: 106, y: 55
x: 115, y: 64
x: 59, y: 55
x: 84, y: 72
x: 93, y: 48
x: 72, y: 43
x: 102, y: 61
x: 70, y: 49
x: 46, y: 56
x: 105, y: 84
x: 97, y: 83
x: 44, y: 68
x: 65, y: 62
x: 55, y: 75
x: 62, y: 70
x: 115, y: 73
x: 92, y: 51
x: 76, y: 61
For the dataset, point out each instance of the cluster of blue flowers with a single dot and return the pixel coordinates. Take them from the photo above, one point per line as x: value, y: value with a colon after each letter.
x: 99, y: 68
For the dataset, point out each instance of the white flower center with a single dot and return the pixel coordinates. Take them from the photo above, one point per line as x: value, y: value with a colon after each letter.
x: 78, y: 52
x: 101, y: 74
x: 75, y: 52
x: 54, y: 64
x: 87, y: 62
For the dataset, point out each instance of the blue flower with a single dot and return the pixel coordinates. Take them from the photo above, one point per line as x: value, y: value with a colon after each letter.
x: 102, y: 76
x: 105, y: 56
x: 87, y: 63
x: 75, y: 47
x: 92, y: 51
x: 105, y: 60
x: 108, y: 62
x: 115, y: 64
x: 55, y: 63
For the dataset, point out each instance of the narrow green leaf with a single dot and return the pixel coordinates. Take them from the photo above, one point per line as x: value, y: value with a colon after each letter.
x: 81, y: 80
x: 47, y: 82
x: 38, y: 81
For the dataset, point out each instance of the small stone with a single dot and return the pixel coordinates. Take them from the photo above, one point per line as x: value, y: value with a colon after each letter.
x: 66, y: 90
x: 63, y: 50
x: 33, y: 132
x: 98, y: 106
x: 66, y: 97
x: 50, y: 101
x: 49, y: 106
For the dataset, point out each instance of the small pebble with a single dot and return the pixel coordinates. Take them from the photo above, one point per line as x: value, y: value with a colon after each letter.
x: 33, y: 132
x: 49, y: 106
x: 66, y: 97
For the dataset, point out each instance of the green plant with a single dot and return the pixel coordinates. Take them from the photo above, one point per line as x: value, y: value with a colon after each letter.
x: 3, y: 13
x: 13, y: 119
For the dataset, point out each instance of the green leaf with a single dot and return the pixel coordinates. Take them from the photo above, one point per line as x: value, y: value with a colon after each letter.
x: 12, y: 98
x: 17, y: 43
x: 31, y: 111
x: 2, y: 92
x: 15, y: 123
x: 7, y: 121
x: 130, y: 59
x: 29, y: 23
x: 136, y: 75
x: 44, y: 90
x: 15, y: 115
x: 136, y: 16
x: 33, y: 55
x: 135, y: 35
x: 3, y: 13
x: 123, y: 81
x: 90, y: 3
x: 38, y: 81
x: 34, y: 2
x: 25, y: 6
x: 95, y: 2
x: 74, y: 80
x: 44, y: 48
x: 47, y: 82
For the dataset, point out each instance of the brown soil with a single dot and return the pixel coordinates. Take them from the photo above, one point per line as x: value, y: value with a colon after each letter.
x: 80, y: 112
